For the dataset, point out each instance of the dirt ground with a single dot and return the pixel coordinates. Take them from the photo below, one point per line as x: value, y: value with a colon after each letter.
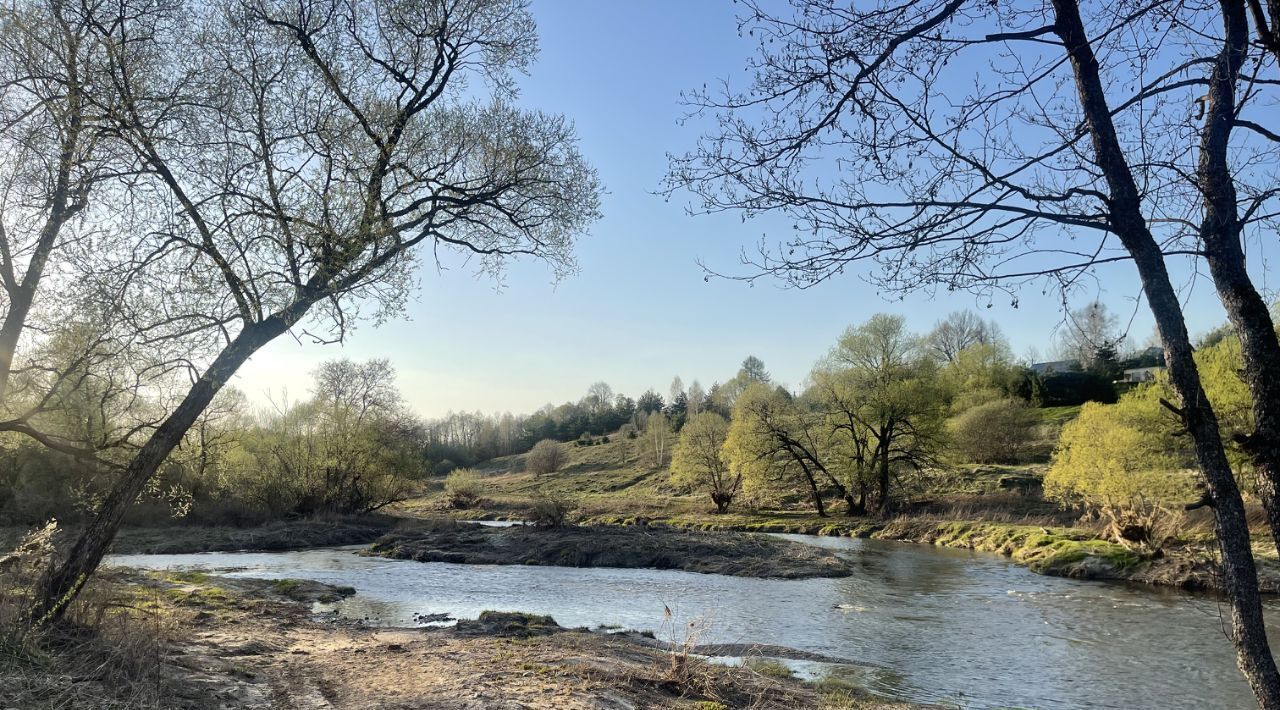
x: 255, y: 644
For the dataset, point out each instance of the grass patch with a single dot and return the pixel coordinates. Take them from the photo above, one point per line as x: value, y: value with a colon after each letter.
x: 770, y: 668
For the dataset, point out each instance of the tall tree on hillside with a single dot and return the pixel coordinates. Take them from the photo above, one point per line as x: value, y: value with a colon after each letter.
x: 599, y: 398
x: 697, y: 399
x: 657, y: 439
x: 751, y: 372
x: 778, y: 444
x: 881, y: 390
x: 698, y: 460
x: 935, y: 140
x: 300, y: 153
x: 959, y: 330
x: 650, y: 402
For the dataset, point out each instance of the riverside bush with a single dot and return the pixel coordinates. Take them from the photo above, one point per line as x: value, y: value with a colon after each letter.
x: 999, y: 431
x: 462, y: 488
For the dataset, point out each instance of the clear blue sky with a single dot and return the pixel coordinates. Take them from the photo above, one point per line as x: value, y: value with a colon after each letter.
x: 639, y: 312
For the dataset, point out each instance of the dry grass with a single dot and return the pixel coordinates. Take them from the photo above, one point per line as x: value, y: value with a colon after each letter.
x: 107, y: 653
x: 1000, y: 507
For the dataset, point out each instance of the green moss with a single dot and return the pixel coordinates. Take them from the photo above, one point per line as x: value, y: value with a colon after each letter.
x: 188, y: 577
x: 770, y: 667
x: 204, y: 597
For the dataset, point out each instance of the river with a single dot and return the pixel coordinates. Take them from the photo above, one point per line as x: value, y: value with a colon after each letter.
x: 936, y: 625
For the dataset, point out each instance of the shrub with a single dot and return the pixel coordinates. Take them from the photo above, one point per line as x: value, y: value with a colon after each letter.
x: 546, y: 456
x: 462, y: 488
x: 998, y: 431
x: 551, y: 510
x: 1122, y: 463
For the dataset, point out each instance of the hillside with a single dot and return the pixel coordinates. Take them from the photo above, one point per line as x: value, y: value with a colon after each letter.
x: 610, y: 479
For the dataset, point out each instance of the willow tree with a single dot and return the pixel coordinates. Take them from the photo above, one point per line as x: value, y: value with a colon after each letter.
x: 297, y: 156
x: 958, y: 144
x: 879, y: 388
x: 698, y: 460
x: 58, y: 329
x: 778, y: 443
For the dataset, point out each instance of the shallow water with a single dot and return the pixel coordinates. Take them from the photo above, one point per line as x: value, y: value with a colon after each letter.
x: 948, y: 626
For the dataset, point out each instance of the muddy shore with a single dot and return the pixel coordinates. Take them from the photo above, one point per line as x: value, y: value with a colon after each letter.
x: 737, y: 554
x: 240, y: 643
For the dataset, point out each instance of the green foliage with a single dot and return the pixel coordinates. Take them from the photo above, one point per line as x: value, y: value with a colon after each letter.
x: 998, y: 431
x: 1122, y: 463
x: 698, y: 461
x: 754, y: 448
x: 462, y: 488
x: 884, y: 397
x: 656, y: 444
x: 352, y: 448
x: 978, y: 373
x: 1125, y: 463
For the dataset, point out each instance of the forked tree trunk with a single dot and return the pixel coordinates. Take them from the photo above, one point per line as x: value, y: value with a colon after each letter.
x: 1253, y: 654
x: 1220, y: 231
x: 64, y: 580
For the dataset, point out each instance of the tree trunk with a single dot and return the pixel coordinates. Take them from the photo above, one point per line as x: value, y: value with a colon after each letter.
x: 858, y: 506
x: 722, y: 501
x: 64, y: 580
x: 813, y: 487
x: 882, y: 476
x: 1253, y: 654
x: 1220, y: 231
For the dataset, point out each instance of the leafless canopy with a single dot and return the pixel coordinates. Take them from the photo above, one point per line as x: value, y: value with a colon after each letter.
x: 944, y: 141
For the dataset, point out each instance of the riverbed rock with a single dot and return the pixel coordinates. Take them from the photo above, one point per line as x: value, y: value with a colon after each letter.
x: 508, y: 623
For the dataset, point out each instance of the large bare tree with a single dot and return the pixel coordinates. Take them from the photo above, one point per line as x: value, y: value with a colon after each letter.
x: 295, y: 155
x: 973, y: 145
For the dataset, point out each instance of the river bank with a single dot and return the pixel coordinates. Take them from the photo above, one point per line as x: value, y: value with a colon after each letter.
x: 1058, y: 551
x: 268, y: 537
x: 624, y: 547
x: 216, y: 642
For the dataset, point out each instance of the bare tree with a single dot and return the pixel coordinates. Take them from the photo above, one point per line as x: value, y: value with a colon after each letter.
x: 599, y: 398
x: 1089, y: 329
x: 959, y: 330
x: 938, y: 141
x: 546, y: 456
x: 304, y: 150
x: 697, y: 399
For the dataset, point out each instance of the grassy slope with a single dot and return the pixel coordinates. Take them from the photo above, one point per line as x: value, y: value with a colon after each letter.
x: 989, y: 508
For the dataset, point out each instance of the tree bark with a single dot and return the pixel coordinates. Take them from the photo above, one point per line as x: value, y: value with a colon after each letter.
x: 813, y: 485
x: 1253, y: 654
x: 882, y: 474
x: 1220, y: 232
x: 64, y: 580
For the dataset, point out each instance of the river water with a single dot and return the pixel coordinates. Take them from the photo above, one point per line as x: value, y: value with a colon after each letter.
x: 936, y: 625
